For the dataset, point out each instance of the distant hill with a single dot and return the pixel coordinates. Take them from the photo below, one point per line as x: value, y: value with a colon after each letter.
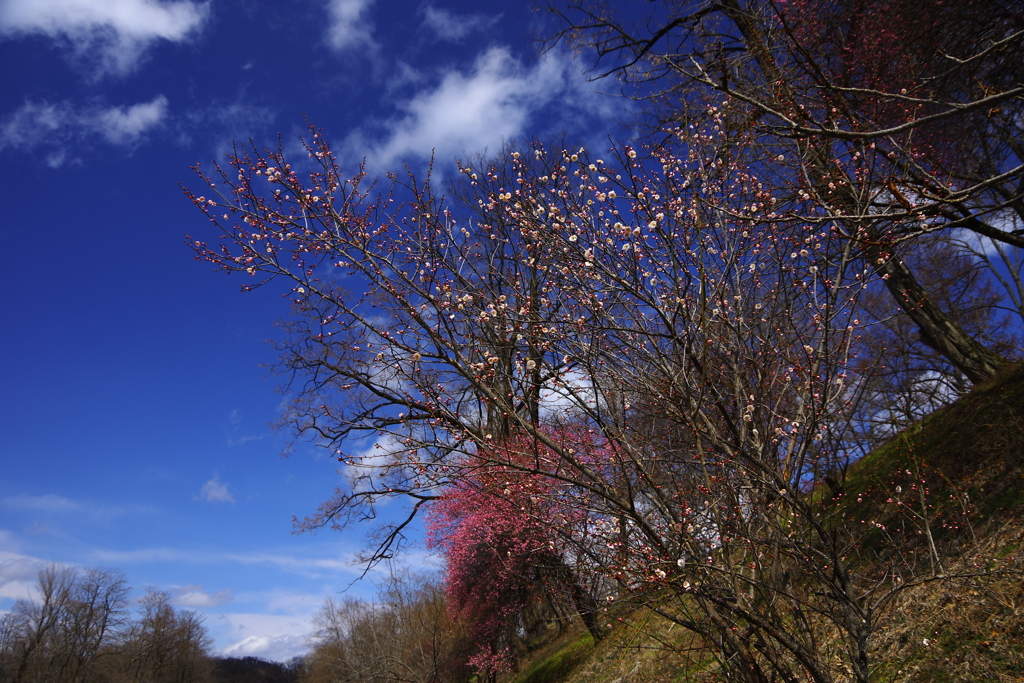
x: 251, y: 670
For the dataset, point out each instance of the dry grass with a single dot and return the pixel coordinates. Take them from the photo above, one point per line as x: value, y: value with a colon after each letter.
x: 964, y: 629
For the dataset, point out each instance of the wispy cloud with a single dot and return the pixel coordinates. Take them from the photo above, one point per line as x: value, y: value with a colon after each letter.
x: 216, y: 492
x: 47, y: 503
x: 448, y: 26
x: 111, y: 36
x: 309, y: 567
x: 60, y: 127
x: 53, y: 507
x: 284, y: 601
x: 244, y: 439
x: 147, y: 555
x: 349, y: 26
x: 221, y: 125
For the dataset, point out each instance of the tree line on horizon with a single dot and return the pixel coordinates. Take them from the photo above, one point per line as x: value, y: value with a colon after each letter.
x: 640, y: 374
x: 78, y: 629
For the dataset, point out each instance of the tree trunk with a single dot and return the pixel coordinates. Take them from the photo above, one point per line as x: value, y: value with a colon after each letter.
x: 587, y: 608
x: 938, y: 330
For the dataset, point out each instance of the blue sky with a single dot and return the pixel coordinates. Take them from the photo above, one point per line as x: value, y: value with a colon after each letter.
x: 134, y: 419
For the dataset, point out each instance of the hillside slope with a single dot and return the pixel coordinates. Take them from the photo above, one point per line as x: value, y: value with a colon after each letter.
x: 965, y: 466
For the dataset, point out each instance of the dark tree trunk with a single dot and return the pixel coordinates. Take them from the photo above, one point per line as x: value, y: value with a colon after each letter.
x: 938, y: 330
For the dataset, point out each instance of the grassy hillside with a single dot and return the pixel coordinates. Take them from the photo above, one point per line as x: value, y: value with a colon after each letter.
x: 964, y: 465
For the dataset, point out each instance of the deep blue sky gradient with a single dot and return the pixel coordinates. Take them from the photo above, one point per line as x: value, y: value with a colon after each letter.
x: 134, y: 418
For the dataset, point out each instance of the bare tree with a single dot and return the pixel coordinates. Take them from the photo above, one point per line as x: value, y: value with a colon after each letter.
x: 33, y: 628
x: 164, y: 645
x: 407, y: 634
x: 63, y: 634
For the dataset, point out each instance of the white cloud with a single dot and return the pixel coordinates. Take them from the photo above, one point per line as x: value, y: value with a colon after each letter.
x: 377, y: 454
x: 271, y: 647
x: 18, y: 573
x: 125, y: 126
x: 348, y: 27
x: 445, y: 25
x: 572, y: 395
x: 369, y: 463
x: 216, y: 492
x: 37, y: 124
x: 112, y: 34
x: 498, y: 99
x: 269, y: 636
x: 986, y: 247
x: 195, y: 596
x: 57, y: 127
